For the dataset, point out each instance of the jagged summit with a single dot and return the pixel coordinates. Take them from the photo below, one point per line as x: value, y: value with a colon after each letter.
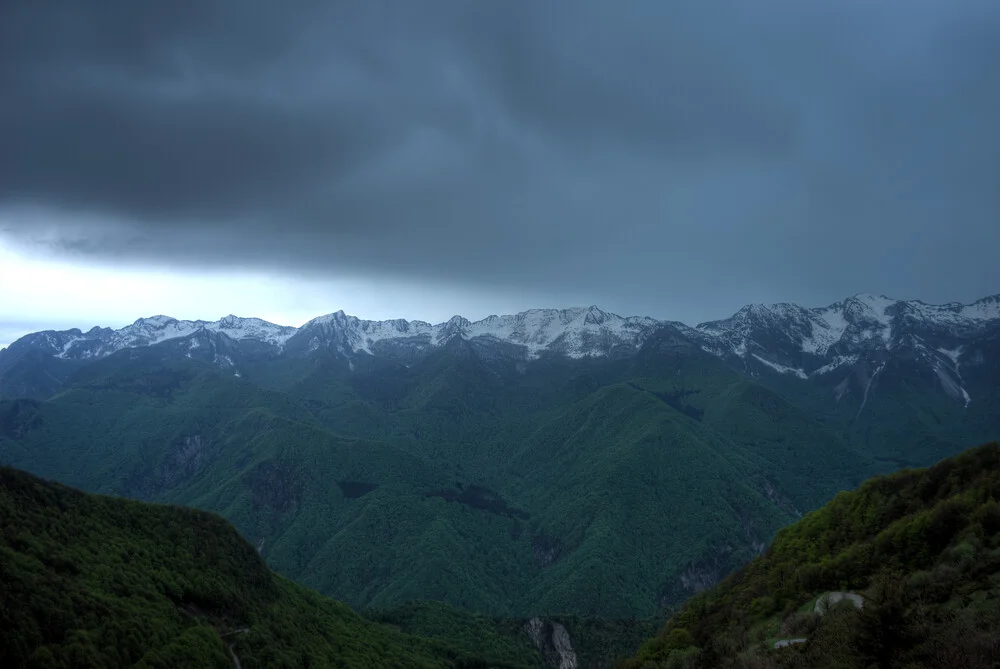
x: 862, y: 320
x: 782, y: 338
x: 856, y: 333
x: 99, y: 342
x: 576, y: 332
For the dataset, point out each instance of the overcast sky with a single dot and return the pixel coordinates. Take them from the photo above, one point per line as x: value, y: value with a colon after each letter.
x: 419, y: 159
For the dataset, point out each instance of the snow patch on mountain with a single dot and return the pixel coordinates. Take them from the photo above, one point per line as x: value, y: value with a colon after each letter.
x: 157, y: 329
x: 828, y: 326
x: 952, y: 385
x: 838, y: 362
x: 953, y: 353
x: 986, y: 309
x: 781, y: 368
x: 847, y: 337
x: 862, y: 322
x: 354, y: 334
x: 786, y: 338
x: 950, y: 376
x: 868, y: 387
x: 576, y: 333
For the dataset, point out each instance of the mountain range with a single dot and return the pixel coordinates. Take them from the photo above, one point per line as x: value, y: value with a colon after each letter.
x: 549, y: 462
x: 783, y: 338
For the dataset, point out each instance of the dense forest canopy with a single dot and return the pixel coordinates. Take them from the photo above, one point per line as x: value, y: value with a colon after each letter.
x: 921, y: 548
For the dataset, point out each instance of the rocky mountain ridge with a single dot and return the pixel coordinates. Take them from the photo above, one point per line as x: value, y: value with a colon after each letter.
x: 857, y: 334
x: 574, y: 332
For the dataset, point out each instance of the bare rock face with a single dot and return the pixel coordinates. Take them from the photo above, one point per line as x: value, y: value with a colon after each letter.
x: 553, y: 641
x: 181, y: 461
x: 546, y: 549
x: 828, y: 600
x: 18, y: 418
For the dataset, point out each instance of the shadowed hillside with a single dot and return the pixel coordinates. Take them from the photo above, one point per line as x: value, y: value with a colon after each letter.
x: 922, y: 550
x: 90, y: 581
x: 606, y: 487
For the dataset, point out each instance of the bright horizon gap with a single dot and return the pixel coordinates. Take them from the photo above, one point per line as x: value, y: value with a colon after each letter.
x: 53, y: 293
x: 59, y: 294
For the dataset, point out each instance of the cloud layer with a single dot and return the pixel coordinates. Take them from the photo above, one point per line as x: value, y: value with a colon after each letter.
x: 650, y: 156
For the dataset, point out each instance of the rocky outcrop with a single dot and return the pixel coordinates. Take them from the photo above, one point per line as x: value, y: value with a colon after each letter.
x: 553, y: 641
x: 181, y: 461
x: 546, y: 549
x: 19, y: 417
x: 828, y: 600
x: 275, y: 485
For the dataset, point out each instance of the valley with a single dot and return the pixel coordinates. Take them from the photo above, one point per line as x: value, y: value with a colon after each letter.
x: 94, y: 581
x: 559, y: 335
x: 573, y: 465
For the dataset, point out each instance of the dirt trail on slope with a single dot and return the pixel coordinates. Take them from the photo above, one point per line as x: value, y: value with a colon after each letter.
x: 782, y: 643
x: 823, y: 604
x: 236, y: 660
x: 229, y: 646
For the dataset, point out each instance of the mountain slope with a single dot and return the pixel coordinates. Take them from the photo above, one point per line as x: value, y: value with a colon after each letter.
x: 96, y: 581
x: 862, y: 363
x: 906, y: 381
x: 806, y: 342
x: 921, y: 547
x: 552, y: 462
x: 782, y: 338
x: 554, y: 488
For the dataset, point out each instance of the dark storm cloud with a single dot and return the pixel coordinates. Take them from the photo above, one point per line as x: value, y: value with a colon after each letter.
x: 663, y: 157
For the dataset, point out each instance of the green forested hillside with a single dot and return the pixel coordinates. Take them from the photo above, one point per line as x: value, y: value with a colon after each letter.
x: 606, y: 487
x: 89, y: 581
x: 922, y: 549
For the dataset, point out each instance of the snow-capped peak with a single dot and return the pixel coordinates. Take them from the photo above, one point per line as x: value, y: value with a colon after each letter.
x: 577, y: 332
x: 784, y: 337
x: 803, y: 341
x: 100, y: 342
